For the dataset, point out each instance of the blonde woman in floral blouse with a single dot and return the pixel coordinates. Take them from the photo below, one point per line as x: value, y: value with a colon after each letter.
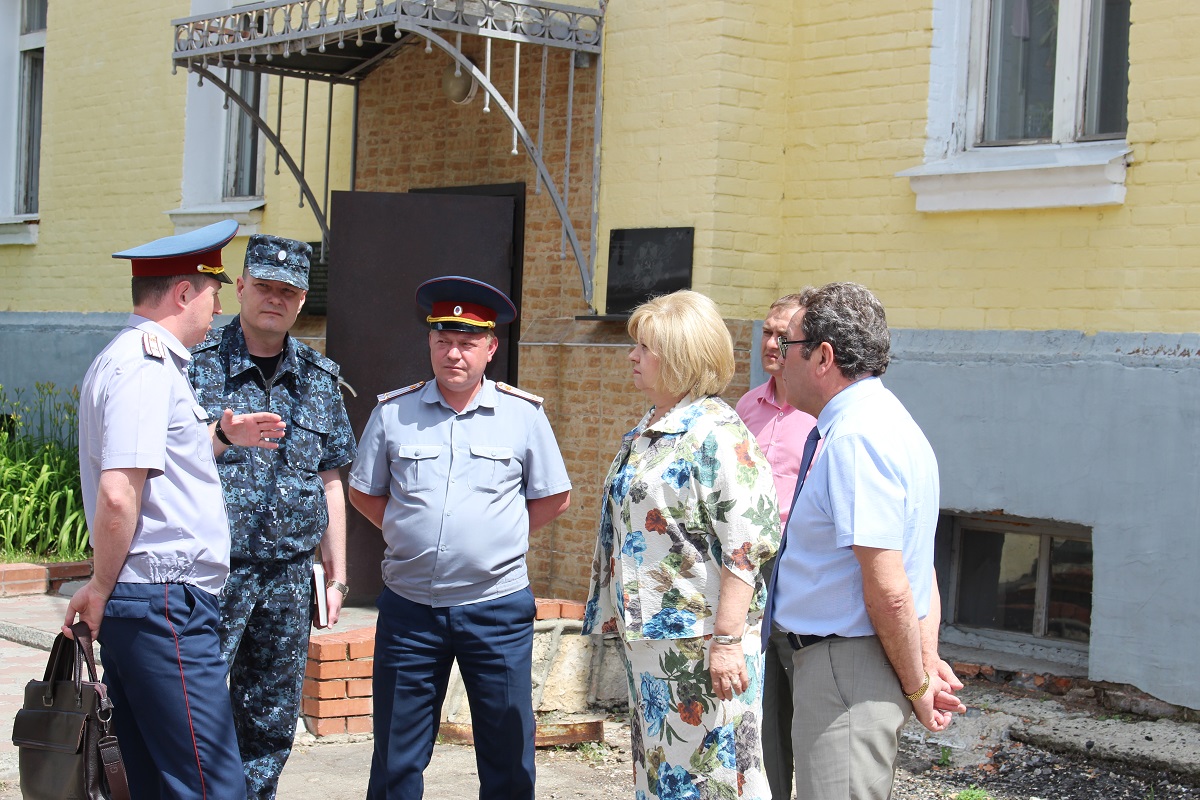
x: 689, y: 517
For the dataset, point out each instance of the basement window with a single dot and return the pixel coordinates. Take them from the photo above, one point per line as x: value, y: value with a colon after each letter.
x: 1025, y: 578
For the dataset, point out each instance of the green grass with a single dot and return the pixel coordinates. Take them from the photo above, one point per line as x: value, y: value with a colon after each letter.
x: 41, y: 500
x: 973, y: 793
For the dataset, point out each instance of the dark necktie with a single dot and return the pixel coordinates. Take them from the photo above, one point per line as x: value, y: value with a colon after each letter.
x: 810, y: 449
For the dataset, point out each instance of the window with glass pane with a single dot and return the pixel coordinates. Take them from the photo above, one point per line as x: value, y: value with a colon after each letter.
x: 1003, y: 584
x: 30, y: 132
x: 29, y: 108
x: 1022, y: 46
x: 1033, y: 62
x: 1069, y: 600
x: 1107, y: 87
x: 33, y: 16
x: 243, y: 178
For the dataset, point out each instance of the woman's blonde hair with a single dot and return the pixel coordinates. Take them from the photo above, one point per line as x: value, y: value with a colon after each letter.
x: 685, y: 330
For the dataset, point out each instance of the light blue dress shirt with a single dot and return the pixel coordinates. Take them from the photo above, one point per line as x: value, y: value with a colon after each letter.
x: 874, y: 483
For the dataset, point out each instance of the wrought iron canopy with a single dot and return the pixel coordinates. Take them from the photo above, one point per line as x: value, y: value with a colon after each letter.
x: 343, y: 40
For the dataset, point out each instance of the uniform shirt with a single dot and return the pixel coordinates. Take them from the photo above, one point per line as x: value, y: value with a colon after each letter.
x: 276, y: 498
x: 137, y: 411
x: 456, y: 528
x: 780, y: 431
x: 684, y: 497
x: 874, y: 484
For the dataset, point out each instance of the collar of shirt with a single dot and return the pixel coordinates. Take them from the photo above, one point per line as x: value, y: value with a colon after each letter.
x: 239, y: 357
x: 847, y: 397
x: 486, y: 396
x: 150, y: 326
x: 771, y: 395
x: 675, y: 420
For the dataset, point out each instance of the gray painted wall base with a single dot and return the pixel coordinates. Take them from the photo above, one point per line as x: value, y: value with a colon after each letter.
x: 55, y: 346
x: 1099, y: 430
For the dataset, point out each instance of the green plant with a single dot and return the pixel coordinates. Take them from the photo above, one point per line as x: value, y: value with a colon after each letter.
x: 595, y: 753
x: 41, y: 500
x: 973, y: 793
x: 944, y: 758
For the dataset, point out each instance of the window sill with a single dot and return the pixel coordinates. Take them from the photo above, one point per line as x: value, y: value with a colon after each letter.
x: 1074, y: 654
x: 20, y: 230
x: 1026, y: 176
x: 248, y: 214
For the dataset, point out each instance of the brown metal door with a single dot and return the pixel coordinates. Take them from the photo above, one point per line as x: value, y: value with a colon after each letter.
x: 382, y: 246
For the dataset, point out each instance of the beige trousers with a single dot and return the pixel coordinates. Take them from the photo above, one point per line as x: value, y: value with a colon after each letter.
x: 849, y: 709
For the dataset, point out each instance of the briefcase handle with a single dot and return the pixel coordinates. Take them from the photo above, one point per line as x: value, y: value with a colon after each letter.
x: 66, y: 661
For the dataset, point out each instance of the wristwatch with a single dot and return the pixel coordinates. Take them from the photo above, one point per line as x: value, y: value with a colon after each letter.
x: 341, y: 587
x: 919, y: 693
x: 221, y: 435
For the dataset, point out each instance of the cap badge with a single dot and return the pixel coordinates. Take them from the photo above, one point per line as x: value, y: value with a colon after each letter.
x: 282, y: 256
x: 458, y: 311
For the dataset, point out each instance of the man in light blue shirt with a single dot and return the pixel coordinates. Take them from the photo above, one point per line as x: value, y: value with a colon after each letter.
x: 855, y: 590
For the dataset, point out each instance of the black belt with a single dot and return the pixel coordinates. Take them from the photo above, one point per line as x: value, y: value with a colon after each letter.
x: 799, y: 641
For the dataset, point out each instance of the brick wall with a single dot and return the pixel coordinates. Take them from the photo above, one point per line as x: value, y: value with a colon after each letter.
x: 412, y: 137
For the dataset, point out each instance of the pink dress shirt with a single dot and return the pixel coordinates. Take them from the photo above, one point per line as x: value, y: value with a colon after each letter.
x: 780, y: 431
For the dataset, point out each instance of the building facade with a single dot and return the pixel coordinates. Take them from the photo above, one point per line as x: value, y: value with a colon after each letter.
x: 1014, y: 178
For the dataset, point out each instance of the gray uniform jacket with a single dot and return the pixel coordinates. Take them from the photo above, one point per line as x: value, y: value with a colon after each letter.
x: 456, y: 528
x: 138, y: 411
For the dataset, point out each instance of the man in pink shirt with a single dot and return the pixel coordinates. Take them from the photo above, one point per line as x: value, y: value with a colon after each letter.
x: 780, y: 431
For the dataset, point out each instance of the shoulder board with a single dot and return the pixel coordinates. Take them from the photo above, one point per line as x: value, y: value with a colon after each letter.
x: 383, y: 398
x: 318, y: 360
x: 515, y: 392
x: 153, y: 346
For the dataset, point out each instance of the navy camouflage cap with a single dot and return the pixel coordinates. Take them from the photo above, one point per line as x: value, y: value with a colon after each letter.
x: 273, y: 258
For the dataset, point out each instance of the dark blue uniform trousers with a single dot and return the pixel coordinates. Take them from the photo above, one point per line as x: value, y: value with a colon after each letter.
x: 415, y: 646
x: 164, y: 672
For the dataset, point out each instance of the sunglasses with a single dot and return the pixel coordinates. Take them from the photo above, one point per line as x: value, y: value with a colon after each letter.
x: 784, y: 344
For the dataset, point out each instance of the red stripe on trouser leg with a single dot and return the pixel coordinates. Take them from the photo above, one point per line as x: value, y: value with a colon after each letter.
x: 183, y: 682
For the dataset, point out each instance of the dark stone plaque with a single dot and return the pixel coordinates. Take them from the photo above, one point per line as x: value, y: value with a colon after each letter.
x: 646, y: 262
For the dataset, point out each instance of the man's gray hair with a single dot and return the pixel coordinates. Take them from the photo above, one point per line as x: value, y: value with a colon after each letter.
x: 852, y: 320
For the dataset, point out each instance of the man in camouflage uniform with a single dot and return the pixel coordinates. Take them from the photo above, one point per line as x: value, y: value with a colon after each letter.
x: 282, y: 503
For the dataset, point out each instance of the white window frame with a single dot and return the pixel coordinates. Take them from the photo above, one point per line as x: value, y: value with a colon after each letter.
x: 958, y: 175
x: 15, y: 229
x: 205, y: 144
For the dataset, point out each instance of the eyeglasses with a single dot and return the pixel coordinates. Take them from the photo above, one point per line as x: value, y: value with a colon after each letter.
x: 784, y: 344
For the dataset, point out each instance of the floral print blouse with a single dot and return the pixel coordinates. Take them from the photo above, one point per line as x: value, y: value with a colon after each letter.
x: 683, y: 498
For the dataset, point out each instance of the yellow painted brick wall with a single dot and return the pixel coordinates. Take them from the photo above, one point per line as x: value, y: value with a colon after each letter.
x: 860, y: 82
x: 687, y: 86
x: 112, y: 149
x: 112, y: 157
x: 694, y: 132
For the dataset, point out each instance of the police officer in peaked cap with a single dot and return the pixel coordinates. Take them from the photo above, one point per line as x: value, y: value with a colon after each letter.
x: 283, y: 503
x: 457, y: 471
x: 159, y: 533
